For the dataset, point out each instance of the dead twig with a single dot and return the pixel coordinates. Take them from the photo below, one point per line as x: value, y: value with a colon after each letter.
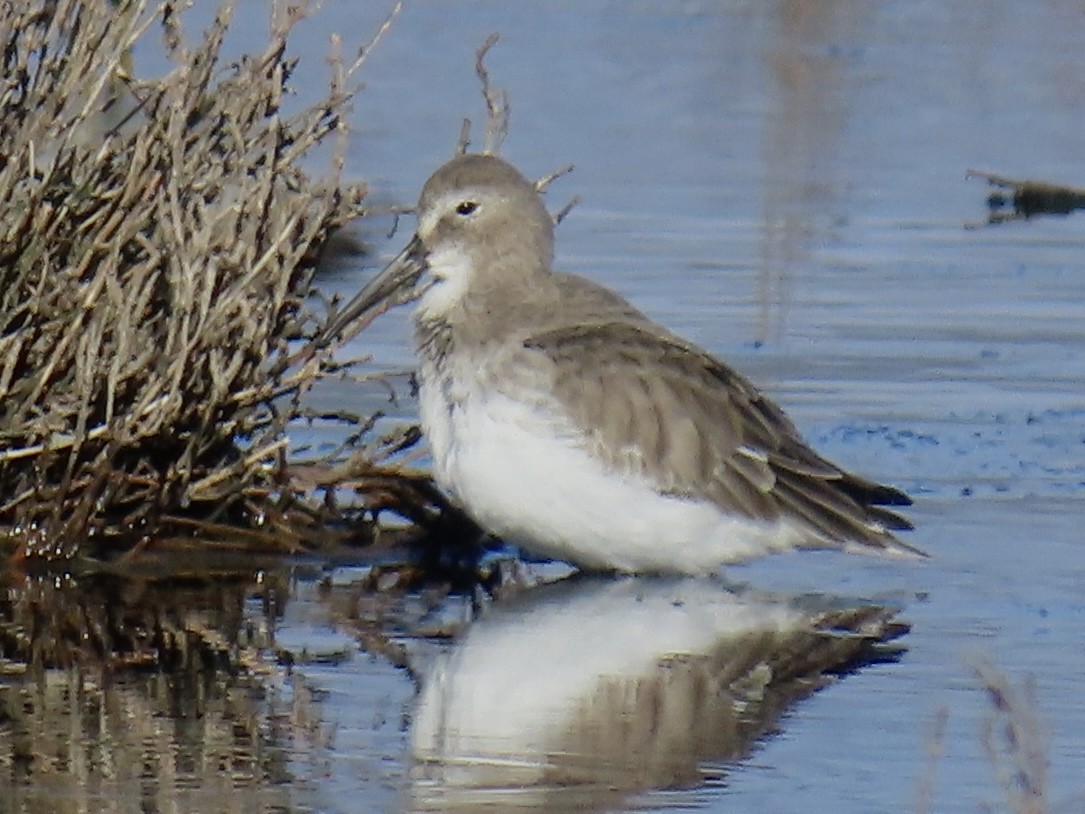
x: 497, y: 100
x: 1013, y: 739
x: 559, y: 216
x: 544, y: 182
x: 464, y: 141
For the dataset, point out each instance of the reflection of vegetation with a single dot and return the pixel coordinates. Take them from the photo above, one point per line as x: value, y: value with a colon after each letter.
x: 133, y: 694
x: 156, y: 241
x: 167, y: 689
x: 74, y: 741
x: 124, y: 623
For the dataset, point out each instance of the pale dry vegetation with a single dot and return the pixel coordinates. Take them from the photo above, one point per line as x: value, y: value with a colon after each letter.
x: 157, y: 239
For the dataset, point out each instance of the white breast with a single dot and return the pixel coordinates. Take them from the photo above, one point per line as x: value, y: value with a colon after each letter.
x: 525, y: 475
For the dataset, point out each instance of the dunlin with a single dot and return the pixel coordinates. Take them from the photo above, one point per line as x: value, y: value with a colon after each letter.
x: 563, y: 420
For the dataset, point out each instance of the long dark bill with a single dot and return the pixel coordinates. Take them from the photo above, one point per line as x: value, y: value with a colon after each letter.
x: 394, y: 285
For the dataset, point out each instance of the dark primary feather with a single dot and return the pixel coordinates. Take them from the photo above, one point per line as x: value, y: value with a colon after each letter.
x: 711, y: 434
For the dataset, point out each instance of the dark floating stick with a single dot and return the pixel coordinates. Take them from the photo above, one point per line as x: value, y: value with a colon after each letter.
x: 1013, y: 199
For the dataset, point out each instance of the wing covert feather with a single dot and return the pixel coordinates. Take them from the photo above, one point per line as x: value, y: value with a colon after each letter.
x: 649, y: 403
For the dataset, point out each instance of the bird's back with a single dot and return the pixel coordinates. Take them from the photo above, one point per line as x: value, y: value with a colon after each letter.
x: 649, y: 404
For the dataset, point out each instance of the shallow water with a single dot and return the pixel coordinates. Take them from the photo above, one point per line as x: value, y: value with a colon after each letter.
x: 782, y: 182
x: 785, y: 184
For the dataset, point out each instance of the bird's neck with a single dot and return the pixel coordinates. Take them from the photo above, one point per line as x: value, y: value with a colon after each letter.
x: 466, y: 287
x: 435, y: 338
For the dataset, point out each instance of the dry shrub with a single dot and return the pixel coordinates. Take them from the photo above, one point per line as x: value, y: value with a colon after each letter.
x: 156, y: 245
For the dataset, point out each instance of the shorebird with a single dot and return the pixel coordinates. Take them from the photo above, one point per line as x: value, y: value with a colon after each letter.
x: 565, y: 421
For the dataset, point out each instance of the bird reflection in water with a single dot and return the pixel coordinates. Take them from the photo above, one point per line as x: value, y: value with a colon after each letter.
x: 584, y: 692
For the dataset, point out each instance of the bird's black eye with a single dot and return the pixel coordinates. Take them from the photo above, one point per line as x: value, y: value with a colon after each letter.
x: 466, y: 208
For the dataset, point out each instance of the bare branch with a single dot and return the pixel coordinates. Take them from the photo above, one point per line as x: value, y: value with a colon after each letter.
x: 547, y: 180
x: 397, y: 212
x: 364, y: 51
x: 497, y: 100
x: 465, y: 137
x: 559, y: 216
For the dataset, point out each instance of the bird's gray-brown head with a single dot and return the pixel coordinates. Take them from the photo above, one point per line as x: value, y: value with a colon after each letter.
x: 481, y: 225
x: 482, y: 228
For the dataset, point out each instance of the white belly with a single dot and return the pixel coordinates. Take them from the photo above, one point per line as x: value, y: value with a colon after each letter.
x: 523, y: 476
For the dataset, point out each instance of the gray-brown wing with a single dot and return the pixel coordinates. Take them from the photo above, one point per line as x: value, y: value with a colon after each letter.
x: 650, y: 403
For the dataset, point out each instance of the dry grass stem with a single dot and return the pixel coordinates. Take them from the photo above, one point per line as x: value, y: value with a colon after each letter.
x: 1015, y: 742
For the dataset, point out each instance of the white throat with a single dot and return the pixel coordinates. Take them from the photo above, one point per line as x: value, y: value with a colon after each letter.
x: 447, y: 281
